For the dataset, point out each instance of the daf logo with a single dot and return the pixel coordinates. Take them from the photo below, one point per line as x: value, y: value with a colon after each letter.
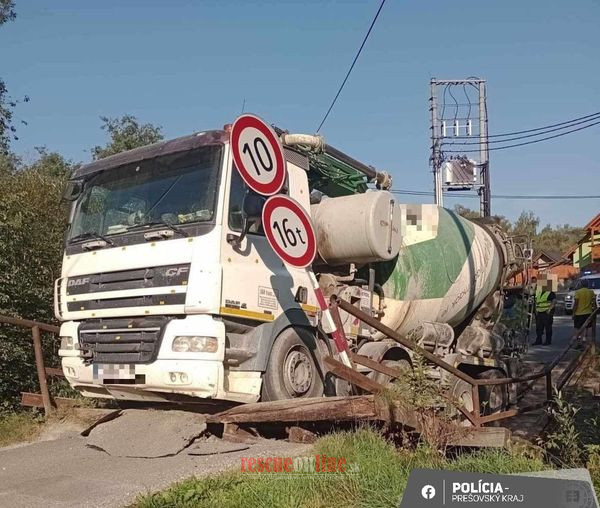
x: 172, y: 272
x: 78, y: 282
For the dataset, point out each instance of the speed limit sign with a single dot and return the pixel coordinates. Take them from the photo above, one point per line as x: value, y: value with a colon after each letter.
x: 258, y: 155
x: 289, y: 231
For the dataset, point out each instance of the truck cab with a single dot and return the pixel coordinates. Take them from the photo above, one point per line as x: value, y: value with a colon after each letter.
x: 159, y: 298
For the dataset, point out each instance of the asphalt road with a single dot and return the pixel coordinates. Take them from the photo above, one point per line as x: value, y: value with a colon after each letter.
x: 67, y: 473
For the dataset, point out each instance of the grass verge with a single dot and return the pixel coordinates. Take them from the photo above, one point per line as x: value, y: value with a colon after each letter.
x: 384, y: 471
x: 18, y: 428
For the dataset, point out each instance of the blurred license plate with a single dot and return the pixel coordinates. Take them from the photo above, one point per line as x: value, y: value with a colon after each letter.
x: 117, y: 374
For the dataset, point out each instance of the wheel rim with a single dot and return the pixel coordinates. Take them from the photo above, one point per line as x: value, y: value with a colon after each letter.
x: 297, y: 372
x: 496, y: 399
x: 466, y: 401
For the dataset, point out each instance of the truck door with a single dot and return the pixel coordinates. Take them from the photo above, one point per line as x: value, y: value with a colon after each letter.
x: 256, y: 283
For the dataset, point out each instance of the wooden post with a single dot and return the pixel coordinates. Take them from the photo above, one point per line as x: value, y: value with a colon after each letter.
x: 41, y: 371
x: 549, y: 391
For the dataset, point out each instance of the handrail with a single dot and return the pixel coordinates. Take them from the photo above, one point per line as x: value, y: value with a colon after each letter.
x: 477, y: 419
x: 27, y: 323
x: 35, y: 327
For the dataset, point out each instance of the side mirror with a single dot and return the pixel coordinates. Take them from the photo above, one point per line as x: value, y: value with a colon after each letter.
x: 251, y: 213
x: 73, y: 190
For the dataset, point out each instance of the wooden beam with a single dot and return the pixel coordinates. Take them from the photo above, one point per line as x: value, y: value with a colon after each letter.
x: 354, y: 377
x: 41, y: 371
x: 52, y: 371
x: 27, y: 323
x: 36, y: 400
x: 299, y: 435
x: 483, y: 437
x: 236, y: 434
x: 300, y: 410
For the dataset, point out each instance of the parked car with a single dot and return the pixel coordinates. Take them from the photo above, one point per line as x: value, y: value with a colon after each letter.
x: 593, y: 284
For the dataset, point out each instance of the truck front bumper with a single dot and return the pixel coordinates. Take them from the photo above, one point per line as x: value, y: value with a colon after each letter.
x: 196, y: 378
x: 197, y: 374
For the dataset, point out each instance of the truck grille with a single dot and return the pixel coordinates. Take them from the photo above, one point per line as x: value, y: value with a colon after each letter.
x: 133, y: 340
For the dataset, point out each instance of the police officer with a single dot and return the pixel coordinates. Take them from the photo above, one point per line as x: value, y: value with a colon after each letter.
x: 545, y: 300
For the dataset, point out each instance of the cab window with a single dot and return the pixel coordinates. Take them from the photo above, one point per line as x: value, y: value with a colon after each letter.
x: 237, y: 191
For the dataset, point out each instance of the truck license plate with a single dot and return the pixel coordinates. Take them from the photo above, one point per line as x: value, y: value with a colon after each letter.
x: 117, y: 374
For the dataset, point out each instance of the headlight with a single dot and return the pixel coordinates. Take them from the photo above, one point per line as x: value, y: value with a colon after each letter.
x: 195, y: 344
x: 568, y: 297
x: 66, y: 342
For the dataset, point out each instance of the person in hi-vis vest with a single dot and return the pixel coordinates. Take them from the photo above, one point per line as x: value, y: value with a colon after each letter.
x: 545, y: 299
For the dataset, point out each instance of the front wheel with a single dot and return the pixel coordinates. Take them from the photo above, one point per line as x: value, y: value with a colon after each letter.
x: 292, y: 371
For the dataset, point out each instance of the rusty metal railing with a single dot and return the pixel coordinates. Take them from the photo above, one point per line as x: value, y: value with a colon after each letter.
x: 42, y: 372
x: 475, y: 416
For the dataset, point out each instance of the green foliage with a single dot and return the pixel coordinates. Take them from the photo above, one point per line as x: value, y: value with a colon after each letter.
x: 32, y: 225
x: 380, y: 482
x: 7, y: 11
x: 19, y: 427
x: 471, y: 214
x: 563, y: 443
x: 126, y: 133
x: 558, y: 238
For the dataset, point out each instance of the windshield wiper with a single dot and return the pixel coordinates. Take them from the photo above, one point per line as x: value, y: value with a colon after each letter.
x: 169, y: 225
x: 92, y: 234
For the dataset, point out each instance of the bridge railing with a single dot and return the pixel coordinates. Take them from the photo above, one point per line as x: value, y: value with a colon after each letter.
x: 42, y: 371
x: 475, y: 416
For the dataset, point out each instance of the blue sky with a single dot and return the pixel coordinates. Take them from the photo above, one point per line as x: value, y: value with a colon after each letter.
x: 188, y: 66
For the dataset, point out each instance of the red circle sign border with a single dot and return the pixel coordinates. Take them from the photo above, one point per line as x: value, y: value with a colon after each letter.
x: 271, y: 204
x: 276, y: 184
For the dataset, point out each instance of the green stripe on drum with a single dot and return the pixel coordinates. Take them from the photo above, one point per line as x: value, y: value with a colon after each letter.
x: 428, y: 269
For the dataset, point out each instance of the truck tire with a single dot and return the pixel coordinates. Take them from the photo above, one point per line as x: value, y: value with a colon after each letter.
x: 493, y: 398
x: 401, y: 364
x: 292, y: 370
x: 461, y: 391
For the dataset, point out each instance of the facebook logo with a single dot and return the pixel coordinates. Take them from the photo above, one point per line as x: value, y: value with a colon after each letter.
x: 428, y: 492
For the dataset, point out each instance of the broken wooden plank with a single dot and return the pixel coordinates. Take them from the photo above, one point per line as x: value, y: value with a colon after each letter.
x: 482, y: 437
x: 35, y: 400
x: 299, y: 435
x: 236, y: 434
x: 300, y: 410
x: 356, y: 378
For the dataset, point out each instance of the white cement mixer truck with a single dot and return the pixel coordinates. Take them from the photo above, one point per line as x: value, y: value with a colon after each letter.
x: 169, y: 290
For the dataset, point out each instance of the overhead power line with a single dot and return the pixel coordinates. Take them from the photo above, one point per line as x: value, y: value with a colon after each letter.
x: 520, y: 137
x: 539, y: 128
x: 527, y: 142
x: 499, y: 196
x: 352, y: 66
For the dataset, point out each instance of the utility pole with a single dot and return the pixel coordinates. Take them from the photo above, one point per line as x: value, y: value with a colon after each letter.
x: 452, y: 122
x: 436, y: 161
x: 485, y: 198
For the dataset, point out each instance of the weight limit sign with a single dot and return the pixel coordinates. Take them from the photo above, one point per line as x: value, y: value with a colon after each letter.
x: 258, y: 155
x: 289, y: 231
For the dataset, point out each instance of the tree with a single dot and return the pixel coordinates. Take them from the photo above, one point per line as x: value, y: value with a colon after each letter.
x: 126, y: 133
x: 559, y: 238
x: 470, y: 214
x: 526, y: 224
x: 32, y: 225
x: 7, y: 13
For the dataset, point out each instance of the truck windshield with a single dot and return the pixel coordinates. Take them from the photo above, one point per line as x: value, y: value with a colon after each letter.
x: 178, y: 189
